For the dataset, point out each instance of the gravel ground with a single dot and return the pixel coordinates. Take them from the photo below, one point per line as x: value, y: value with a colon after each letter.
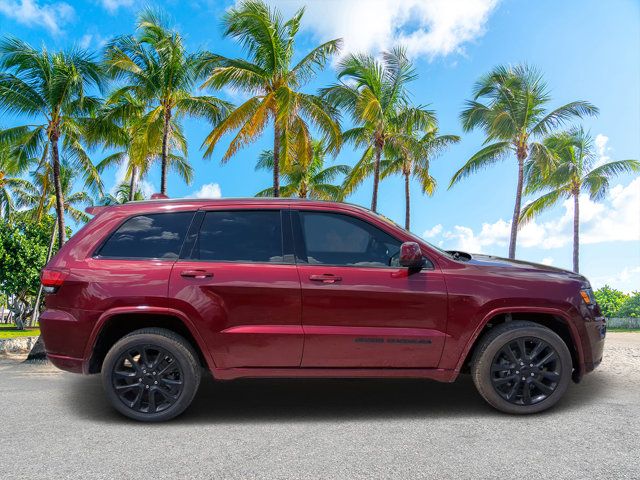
x: 59, y: 425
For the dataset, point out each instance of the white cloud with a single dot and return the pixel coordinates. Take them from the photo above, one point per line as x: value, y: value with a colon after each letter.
x: 425, y: 27
x: 615, y: 219
x: 92, y: 39
x: 547, y: 261
x: 31, y: 13
x: 432, y: 232
x: 113, y: 5
x: 601, y: 142
x: 208, y: 190
x: 627, y: 280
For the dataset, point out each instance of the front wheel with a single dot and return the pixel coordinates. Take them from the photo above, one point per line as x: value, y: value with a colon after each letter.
x: 521, y: 367
x: 151, y: 375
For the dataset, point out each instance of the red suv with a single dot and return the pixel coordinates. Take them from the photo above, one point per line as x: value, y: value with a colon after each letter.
x: 149, y: 292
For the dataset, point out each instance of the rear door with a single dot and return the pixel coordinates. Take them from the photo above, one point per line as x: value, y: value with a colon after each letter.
x: 360, y: 309
x: 237, y: 279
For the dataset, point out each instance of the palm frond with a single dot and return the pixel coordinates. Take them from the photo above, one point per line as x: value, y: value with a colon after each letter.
x: 487, y: 156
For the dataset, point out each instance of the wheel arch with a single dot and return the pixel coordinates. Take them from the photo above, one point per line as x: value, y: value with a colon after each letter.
x: 118, y: 322
x: 556, y: 320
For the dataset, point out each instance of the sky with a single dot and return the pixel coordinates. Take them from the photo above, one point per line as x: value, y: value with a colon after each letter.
x: 586, y: 49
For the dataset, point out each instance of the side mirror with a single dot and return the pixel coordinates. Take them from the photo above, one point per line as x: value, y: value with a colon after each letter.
x: 410, y: 255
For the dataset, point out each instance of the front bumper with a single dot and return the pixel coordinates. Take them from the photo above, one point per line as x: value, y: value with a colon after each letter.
x: 596, y: 331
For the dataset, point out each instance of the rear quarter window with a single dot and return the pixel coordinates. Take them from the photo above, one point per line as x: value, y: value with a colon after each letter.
x: 152, y: 236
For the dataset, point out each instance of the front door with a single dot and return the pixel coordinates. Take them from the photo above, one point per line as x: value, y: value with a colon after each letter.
x: 360, y: 309
x: 238, y: 280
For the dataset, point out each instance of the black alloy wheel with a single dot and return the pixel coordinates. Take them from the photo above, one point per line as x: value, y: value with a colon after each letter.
x: 526, y: 371
x: 147, y: 379
x: 521, y: 367
x: 151, y: 375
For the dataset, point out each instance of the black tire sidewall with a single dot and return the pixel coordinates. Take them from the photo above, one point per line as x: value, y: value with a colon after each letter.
x: 481, y: 370
x: 181, y: 355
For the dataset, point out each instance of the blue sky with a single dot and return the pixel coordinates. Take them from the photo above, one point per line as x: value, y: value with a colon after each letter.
x: 587, y: 49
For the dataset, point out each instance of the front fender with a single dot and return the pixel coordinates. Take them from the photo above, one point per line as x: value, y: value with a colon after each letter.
x: 563, y: 315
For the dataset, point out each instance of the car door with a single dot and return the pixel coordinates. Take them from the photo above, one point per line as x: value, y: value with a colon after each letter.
x: 359, y: 308
x: 237, y: 278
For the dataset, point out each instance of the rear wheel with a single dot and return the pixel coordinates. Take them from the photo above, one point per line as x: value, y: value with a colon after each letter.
x: 521, y: 367
x: 151, y: 375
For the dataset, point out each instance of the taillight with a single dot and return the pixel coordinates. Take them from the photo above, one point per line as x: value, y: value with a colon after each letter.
x: 52, y: 279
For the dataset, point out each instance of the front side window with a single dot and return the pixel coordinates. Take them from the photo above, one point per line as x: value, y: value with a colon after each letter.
x: 336, y: 239
x: 157, y: 235
x: 240, y: 236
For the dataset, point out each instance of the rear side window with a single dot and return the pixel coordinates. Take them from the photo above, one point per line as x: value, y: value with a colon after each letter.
x: 240, y: 236
x: 158, y: 235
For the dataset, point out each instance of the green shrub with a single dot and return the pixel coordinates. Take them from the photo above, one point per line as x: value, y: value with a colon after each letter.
x: 630, y: 307
x: 610, y: 300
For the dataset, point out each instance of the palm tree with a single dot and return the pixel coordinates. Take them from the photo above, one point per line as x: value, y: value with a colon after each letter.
x: 137, y: 135
x: 159, y: 72
x: 10, y: 181
x: 52, y: 89
x: 273, y: 83
x: 123, y: 194
x: 413, y: 159
x: 572, y: 172
x: 514, y: 113
x: 306, y: 180
x: 42, y: 199
x: 374, y: 92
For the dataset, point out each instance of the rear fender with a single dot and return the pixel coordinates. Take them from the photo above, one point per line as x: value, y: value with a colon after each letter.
x: 146, y: 310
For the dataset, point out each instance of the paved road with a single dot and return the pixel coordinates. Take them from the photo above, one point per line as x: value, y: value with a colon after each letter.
x: 58, y: 425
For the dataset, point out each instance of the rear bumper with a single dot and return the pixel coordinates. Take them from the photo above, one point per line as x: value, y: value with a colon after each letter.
x: 65, y: 334
x: 70, y: 364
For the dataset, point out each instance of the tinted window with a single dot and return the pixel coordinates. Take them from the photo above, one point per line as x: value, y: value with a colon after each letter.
x: 335, y: 239
x: 240, y: 236
x: 148, y: 236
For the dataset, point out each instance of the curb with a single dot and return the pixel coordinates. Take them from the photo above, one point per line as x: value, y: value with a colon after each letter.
x: 17, y: 345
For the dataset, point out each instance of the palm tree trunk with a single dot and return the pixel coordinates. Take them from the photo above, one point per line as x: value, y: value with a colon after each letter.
x: 516, y: 209
x: 132, y: 182
x: 276, y: 160
x: 58, y: 191
x: 36, y: 308
x: 376, y: 178
x: 166, y: 132
x: 576, y: 232
x: 407, y: 199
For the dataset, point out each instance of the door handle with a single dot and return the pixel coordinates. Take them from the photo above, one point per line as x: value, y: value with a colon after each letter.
x: 196, y: 273
x: 325, y: 278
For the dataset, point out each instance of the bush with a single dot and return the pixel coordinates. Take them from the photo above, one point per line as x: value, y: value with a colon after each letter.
x: 630, y: 307
x: 610, y: 300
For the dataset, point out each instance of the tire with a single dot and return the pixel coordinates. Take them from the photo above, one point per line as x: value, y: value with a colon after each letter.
x: 515, y: 383
x: 151, y: 375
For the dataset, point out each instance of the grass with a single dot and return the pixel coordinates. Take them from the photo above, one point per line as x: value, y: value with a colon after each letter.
x: 8, y: 330
x: 618, y: 329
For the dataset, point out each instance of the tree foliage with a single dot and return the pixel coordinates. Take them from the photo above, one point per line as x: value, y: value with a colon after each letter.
x: 53, y: 91
x: 610, y: 300
x: 510, y: 104
x: 160, y: 74
x: 374, y: 93
x: 306, y: 181
x: 273, y: 81
x: 23, y: 251
x: 630, y: 307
